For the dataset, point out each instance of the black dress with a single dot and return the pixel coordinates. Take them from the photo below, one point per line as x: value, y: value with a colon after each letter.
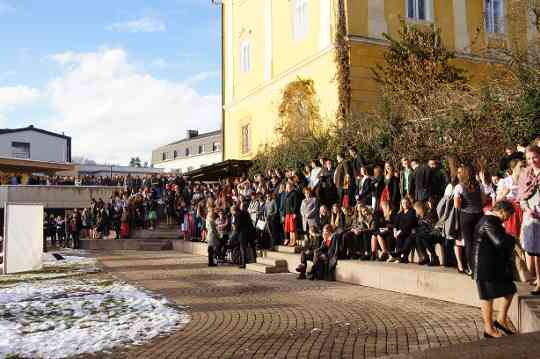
x: 493, y: 259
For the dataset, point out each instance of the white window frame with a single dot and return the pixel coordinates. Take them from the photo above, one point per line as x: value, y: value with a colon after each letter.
x: 428, y: 10
x: 246, y: 138
x: 300, y: 10
x: 494, y: 25
x: 245, y: 56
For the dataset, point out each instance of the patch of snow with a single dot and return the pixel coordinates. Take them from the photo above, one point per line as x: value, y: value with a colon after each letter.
x: 63, y: 318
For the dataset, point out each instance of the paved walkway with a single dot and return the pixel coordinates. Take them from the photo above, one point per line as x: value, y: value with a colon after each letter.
x: 240, y: 314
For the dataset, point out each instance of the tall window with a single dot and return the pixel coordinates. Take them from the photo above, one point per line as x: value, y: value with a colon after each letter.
x: 20, y: 149
x: 246, y: 139
x: 245, y: 56
x: 300, y: 18
x: 201, y: 149
x: 175, y: 153
x: 419, y: 9
x: 215, y: 146
x: 164, y: 156
x: 494, y: 12
x: 187, y: 151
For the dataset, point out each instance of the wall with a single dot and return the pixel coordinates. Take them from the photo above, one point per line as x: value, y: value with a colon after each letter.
x: 42, y: 147
x: 277, y: 58
x: 193, y: 162
x: 180, y: 147
x: 60, y: 197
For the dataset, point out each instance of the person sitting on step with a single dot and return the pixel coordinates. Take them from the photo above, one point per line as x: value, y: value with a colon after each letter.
x: 311, y: 244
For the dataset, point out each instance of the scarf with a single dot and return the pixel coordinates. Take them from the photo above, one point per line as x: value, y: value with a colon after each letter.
x: 528, y: 184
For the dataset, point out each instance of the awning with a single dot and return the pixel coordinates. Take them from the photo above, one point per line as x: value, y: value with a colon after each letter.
x: 218, y: 171
x: 19, y: 165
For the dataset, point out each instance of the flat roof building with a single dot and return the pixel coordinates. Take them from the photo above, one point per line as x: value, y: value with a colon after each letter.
x: 193, y: 152
x: 32, y: 143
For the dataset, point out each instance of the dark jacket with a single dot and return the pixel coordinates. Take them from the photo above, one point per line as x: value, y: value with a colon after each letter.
x: 356, y: 164
x: 409, y: 191
x: 393, y: 189
x: 438, y: 183
x: 342, y: 169
x: 422, y: 182
x: 406, y: 222
x: 365, y: 191
x: 493, y: 251
x: 292, y: 202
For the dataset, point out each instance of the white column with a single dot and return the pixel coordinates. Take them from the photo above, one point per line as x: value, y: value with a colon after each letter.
x: 325, y: 30
x: 229, y: 76
x: 461, y: 32
x: 376, y: 20
x: 268, y: 55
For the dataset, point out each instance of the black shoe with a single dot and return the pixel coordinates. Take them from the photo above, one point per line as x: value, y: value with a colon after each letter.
x: 434, y: 262
x: 242, y: 266
x: 301, y: 276
x: 535, y: 292
x: 212, y: 265
x: 404, y: 260
x: 373, y: 256
x: 468, y: 272
x: 365, y: 257
x: 423, y: 262
x: 384, y: 257
x: 503, y: 329
x: 487, y: 336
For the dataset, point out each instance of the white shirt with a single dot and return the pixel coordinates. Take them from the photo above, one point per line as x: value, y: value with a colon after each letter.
x: 508, y: 183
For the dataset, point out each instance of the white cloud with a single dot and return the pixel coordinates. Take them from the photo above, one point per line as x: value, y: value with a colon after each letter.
x: 114, y: 111
x: 13, y: 96
x: 145, y: 24
x: 201, y: 76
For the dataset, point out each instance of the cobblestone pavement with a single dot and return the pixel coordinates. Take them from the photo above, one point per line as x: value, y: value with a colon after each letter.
x: 240, y: 314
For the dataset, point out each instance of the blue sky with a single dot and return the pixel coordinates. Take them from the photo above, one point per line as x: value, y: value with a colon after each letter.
x: 110, y: 70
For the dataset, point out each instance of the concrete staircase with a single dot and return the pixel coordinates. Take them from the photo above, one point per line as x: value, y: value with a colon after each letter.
x: 155, y: 245
x: 268, y: 265
x: 162, y: 231
x: 287, y: 249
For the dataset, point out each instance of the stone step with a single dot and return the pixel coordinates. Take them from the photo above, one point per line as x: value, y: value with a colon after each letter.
x: 147, y: 234
x: 263, y: 268
x: 155, y: 246
x: 287, y: 249
x: 273, y: 262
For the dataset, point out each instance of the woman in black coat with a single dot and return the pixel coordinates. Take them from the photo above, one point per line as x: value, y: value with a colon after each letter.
x: 493, y: 267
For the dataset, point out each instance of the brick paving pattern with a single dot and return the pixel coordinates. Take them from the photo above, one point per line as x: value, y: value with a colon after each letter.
x: 240, y: 314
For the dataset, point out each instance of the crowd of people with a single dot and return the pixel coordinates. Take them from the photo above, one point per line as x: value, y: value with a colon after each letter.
x: 348, y: 208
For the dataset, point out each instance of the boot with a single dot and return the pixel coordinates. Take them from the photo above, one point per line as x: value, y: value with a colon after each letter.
x: 434, y: 261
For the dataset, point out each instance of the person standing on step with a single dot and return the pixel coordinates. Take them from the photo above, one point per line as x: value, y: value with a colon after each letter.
x: 493, y: 267
x: 292, y: 206
x: 245, y: 231
x: 529, y: 195
x: 212, y: 237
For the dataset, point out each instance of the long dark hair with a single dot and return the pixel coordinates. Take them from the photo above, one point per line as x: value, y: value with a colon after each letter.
x: 468, y: 180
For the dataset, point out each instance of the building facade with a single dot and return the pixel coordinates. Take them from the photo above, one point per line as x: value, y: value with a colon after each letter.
x: 32, y: 143
x: 193, y: 152
x: 270, y: 43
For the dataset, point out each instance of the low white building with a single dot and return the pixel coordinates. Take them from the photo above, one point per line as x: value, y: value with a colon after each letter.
x: 32, y: 143
x: 193, y: 152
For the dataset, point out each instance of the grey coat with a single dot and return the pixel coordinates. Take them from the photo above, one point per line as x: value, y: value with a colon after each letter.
x: 309, y: 209
x: 448, y: 217
x: 212, y: 236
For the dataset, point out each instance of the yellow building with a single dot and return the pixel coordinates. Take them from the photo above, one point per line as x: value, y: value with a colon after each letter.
x: 269, y: 43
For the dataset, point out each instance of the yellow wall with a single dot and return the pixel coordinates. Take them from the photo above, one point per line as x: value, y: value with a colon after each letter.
x: 259, y: 109
x: 255, y: 99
